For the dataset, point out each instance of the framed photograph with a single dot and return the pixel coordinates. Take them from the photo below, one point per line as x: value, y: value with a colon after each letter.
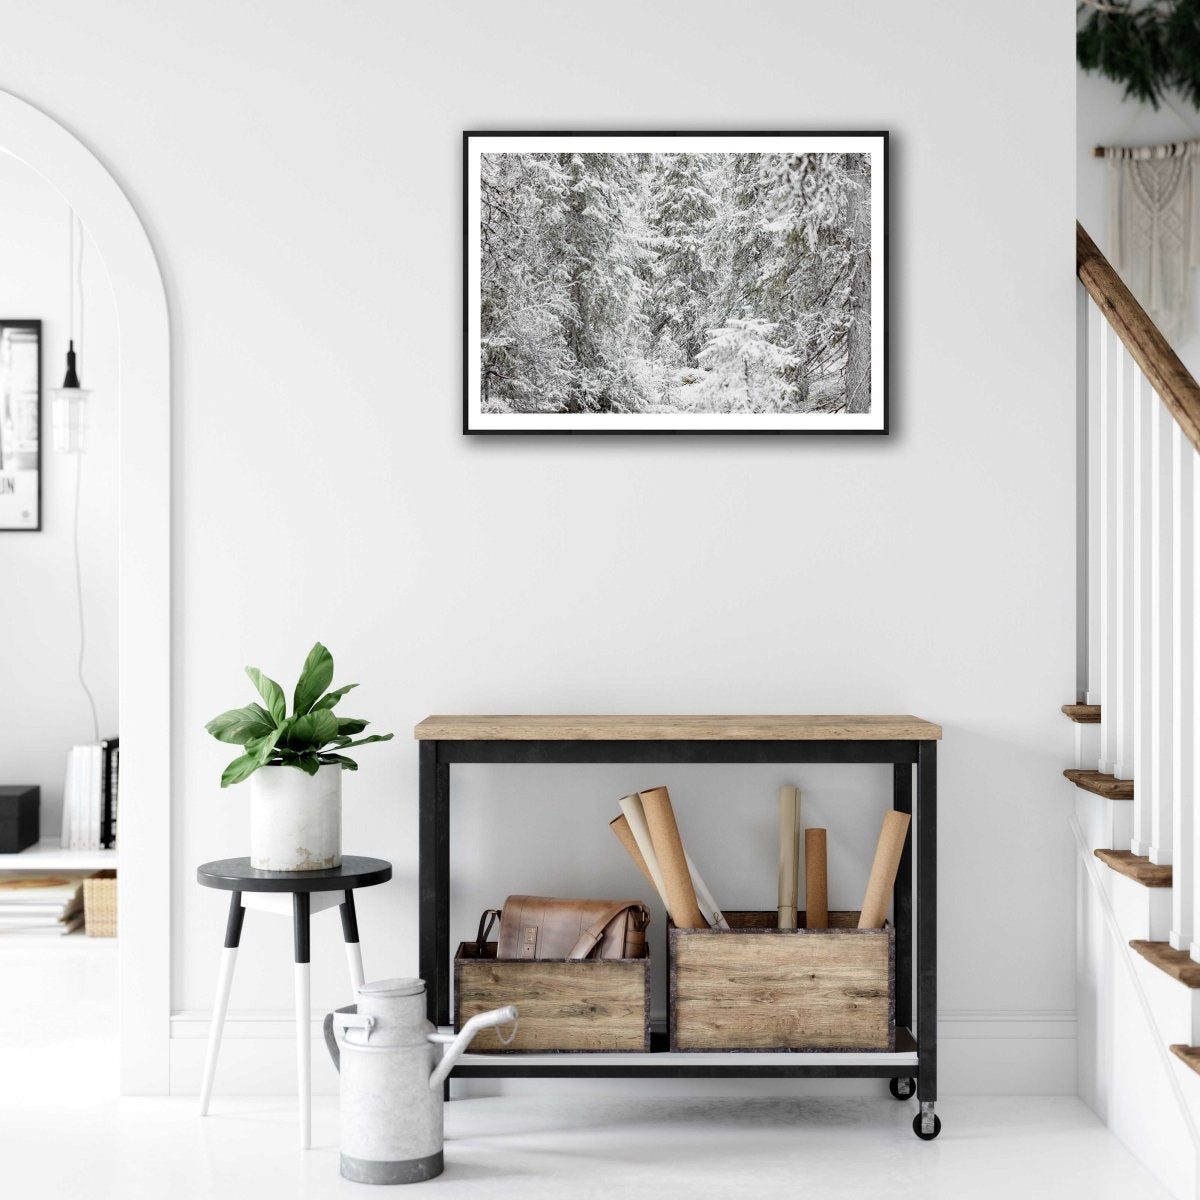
x: 675, y: 282
x: 20, y: 425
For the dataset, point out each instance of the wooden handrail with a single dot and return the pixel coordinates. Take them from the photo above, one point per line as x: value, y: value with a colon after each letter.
x: 1146, y: 345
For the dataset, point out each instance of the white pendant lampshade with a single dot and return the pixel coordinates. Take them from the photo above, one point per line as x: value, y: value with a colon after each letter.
x: 70, y: 405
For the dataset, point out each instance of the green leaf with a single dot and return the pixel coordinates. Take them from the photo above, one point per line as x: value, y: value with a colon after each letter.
x: 348, y: 764
x: 351, y: 725
x: 331, y: 698
x: 310, y: 731
x: 241, y: 768
x: 315, y: 676
x: 265, y: 747
x: 310, y: 764
x: 375, y: 737
x: 271, y: 692
x: 240, y: 726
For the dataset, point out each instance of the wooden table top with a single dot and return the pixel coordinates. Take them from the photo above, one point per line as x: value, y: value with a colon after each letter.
x: 853, y: 728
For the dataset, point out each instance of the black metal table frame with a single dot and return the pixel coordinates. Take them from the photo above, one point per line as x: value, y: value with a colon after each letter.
x: 437, y: 757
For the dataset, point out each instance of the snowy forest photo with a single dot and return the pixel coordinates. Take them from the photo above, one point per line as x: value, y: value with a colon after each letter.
x: 674, y: 284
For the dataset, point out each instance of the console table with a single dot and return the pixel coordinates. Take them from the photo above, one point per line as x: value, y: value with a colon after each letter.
x: 902, y: 742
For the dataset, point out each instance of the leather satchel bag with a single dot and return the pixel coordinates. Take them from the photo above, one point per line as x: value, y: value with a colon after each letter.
x: 540, y: 927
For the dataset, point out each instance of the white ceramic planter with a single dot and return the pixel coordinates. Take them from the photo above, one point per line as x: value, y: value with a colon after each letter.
x: 295, y: 819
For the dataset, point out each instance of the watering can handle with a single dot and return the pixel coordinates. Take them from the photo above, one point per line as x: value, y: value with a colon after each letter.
x: 331, y: 1042
x: 342, y: 1018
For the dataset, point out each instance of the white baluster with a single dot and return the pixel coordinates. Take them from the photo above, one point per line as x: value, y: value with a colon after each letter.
x: 1110, y: 544
x: 1158, y: 785
x: 1145, y: 403
x: 1095, y: 365
x: 1127, y: 410
x: 1182, y: 718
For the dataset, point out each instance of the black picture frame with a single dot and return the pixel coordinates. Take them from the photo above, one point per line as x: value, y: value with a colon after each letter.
x: 474, y: 143
x: 21, y: 427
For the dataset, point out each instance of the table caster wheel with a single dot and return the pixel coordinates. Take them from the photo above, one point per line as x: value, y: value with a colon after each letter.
x: 902, y: 1089
x: 927, y: 1137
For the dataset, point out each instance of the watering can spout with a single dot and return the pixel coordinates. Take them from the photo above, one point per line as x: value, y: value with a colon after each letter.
x: 454, y: 1051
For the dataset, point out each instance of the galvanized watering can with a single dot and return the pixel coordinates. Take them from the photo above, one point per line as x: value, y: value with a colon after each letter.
x: 392, y: 1068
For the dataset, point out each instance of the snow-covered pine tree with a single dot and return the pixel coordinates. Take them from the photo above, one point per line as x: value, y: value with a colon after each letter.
x: 810, y: 197
x: 681, y: 211
x: 605, y: 264
x: 858, y: 335
x: 744, y: 369
x: 525, y: 365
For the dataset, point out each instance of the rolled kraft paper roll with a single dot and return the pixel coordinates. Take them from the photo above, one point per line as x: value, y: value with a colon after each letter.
x: 789, y: 854
x: 632, y: 824
x: 883, y: 870
x: 635, y: 818
x: 816, y: 880
x: 668, y: 848
x: 704, y: 898
x: 620, y: 826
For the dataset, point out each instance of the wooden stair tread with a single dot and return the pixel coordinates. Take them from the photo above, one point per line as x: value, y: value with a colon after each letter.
x: 1189, y: 1055
x: 1108, y: 786
x: 1083, y: 714
x: 1176, y: 963
x: 1136, y: 867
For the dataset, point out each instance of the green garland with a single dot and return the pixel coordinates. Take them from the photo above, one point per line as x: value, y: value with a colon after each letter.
x: 1150, y: 48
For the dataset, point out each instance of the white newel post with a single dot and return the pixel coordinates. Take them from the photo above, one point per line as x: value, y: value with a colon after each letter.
x: 1144, y: 404
x: 1183, y: 714
x: 1095, y: 365
x: 1156, y: 789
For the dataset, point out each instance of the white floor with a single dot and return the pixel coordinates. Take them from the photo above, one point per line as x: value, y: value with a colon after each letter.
x: 577, y: 1147
x: 63, y: 1136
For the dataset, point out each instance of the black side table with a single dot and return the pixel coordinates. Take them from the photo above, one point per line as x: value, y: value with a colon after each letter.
x: 310, y: 891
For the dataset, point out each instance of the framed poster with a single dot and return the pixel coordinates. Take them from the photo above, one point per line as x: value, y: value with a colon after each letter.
x: 675, y: 282
x: 20, y: 425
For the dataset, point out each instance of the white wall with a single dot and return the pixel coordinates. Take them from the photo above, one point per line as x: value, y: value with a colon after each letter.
x: 299, y: 171
x: 1105, y: 118
x: 44, y: 711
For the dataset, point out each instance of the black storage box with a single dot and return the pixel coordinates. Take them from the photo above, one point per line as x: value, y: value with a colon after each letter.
x: 19, y: 816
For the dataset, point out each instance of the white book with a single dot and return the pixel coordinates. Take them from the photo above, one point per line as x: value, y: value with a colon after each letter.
x: 31, y: 922
x: 79, y: 808
x: 73, y: 792
x: 54, y: 929
x: 68, y: 795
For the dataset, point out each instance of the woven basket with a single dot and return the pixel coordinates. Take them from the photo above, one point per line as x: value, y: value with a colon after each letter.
x: 100, y: 904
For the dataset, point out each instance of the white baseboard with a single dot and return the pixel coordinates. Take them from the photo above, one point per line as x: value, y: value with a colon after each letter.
x: 1012, y: 1052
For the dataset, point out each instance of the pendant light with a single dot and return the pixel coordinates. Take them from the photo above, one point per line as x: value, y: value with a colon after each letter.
x: 70, y: 402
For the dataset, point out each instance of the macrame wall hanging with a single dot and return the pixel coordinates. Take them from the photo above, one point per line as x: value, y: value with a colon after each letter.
x: 1154, y: 226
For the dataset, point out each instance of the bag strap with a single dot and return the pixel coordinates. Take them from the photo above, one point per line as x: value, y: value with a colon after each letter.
x: 594, y: 932
x: 485, y: 927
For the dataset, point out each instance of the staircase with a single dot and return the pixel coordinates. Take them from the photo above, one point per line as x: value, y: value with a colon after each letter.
x: 1135, y: 716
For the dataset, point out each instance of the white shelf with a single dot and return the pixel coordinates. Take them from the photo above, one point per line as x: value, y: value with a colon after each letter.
x: 48, y: 855
x: 61, y: 941
x: 502, y: 1063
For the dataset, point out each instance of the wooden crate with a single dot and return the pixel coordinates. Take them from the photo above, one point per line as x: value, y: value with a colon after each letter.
x: 755, y: 987
x: 593, y: 1005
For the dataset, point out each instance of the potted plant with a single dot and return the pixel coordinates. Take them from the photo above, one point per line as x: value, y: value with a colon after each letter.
x: 294, y: 764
